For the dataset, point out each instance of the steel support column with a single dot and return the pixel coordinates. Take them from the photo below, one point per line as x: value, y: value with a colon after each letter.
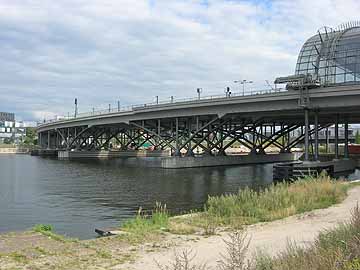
x: 177, y: 150
x: 189, y: 152
x: 306, y: 145
x: 346, y: 145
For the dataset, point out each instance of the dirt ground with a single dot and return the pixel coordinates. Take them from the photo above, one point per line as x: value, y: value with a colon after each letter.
x: 30, y: 250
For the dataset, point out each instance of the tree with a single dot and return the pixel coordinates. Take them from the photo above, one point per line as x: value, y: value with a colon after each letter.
x: 357, y: 137
x: 31, y: 136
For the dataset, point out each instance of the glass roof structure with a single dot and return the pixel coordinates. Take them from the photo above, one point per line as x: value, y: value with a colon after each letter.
x: 332, y: 56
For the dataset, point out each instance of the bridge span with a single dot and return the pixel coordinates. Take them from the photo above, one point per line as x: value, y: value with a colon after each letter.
x: 209, y: 127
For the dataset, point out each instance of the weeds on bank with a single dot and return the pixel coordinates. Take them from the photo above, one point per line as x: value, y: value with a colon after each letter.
x: 235, y: 258
x: 183, y: 261
x: 275, y: 202
x: 246, y: 207
x: 144, y: 224
x: 236, y: 251
x: 47, y: 230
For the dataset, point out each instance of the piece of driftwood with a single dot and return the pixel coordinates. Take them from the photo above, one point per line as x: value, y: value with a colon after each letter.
x: 109, y: 232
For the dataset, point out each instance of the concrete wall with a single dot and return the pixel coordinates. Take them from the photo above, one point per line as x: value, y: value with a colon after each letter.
x: 110, y: 154
x: 160, y: 159
x: 211, y: 161
x: 14, y: 150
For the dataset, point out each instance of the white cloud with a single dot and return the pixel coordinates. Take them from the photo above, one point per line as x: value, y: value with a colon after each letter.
x: 103, y: 51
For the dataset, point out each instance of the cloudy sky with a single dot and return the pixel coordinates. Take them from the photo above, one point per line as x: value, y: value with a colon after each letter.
x: 102, y: 51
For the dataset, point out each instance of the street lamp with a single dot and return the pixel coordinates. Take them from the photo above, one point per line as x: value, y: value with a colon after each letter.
x: 243, y: 82
x: 76, y: 107
x: 199, y: 90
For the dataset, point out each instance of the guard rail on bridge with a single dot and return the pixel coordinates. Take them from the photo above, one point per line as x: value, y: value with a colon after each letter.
x: 125, y: 109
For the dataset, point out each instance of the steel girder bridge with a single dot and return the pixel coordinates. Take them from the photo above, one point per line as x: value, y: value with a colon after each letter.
x: 211, y: 126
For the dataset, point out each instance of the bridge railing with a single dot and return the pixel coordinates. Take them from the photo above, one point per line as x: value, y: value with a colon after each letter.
x: 171, y: 101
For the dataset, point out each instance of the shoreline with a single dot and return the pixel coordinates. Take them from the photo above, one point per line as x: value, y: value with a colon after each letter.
x: 270, y: 238
x: 31, y: 249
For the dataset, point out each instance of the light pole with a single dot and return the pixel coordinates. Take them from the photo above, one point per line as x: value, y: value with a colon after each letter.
x: 199, y: 90
x: 76, y: 107
x: 243, y: 82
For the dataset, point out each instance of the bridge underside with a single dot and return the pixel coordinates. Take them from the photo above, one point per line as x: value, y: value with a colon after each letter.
x: 208, y: 134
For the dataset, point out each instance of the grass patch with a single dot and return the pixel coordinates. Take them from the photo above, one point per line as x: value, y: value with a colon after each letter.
x: 41, y: 250
x: 145, y: 224
x: 47, y: 230
x: 42, y: 228
x: 104, y: 254
x: 20, y: 258
x: 181, y: 228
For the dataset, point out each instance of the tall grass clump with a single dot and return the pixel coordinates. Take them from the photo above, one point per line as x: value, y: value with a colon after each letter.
x: 275, y: 202
x: 144, y: 223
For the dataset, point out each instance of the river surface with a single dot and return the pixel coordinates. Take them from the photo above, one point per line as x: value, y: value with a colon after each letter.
x: 76, y: 197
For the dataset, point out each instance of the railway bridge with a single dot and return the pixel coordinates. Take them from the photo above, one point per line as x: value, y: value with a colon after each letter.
x: 257, y: 122
x: 324, y: 92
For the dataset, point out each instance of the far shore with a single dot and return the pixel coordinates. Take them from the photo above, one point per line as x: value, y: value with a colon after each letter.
x: 15, y: 150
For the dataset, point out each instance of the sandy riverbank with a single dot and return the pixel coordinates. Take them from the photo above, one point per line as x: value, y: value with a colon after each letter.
x: 271, y: 237
x: 30, y: 250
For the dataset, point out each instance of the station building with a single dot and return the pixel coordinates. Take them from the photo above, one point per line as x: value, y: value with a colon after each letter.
x: 332, y: 56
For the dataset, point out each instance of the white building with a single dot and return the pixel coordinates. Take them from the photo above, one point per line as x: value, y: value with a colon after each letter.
x: 11, y: 130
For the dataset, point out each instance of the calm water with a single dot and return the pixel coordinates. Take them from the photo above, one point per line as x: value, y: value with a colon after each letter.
x: 76, y: 197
